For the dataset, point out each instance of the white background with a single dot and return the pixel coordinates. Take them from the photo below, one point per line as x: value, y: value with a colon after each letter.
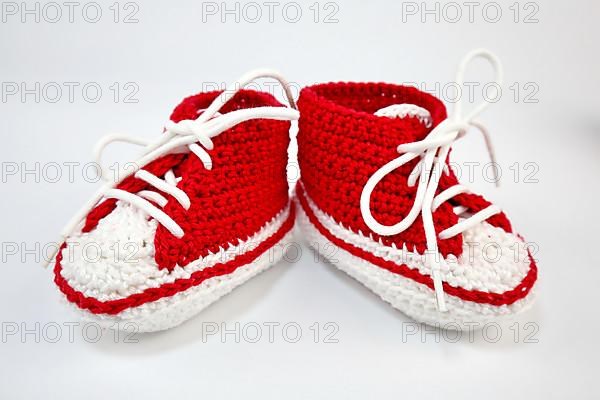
x: 175, y: 50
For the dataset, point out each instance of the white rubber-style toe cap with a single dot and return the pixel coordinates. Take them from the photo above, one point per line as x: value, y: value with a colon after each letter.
x: 116, y: 258
x: 114, y: 265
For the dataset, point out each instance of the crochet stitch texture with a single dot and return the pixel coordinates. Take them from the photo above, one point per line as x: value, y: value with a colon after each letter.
x: 341, y: 144
x: 240, y: 210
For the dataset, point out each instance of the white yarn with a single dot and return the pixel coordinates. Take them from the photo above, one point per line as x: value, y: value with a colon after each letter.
x: 472, y: 270
x: 127, y: 264
x: 414, y: 299
x: 169, y: 312
x: 406, y: 110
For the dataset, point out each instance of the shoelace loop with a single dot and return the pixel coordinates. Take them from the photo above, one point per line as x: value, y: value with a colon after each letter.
x: 433, y: 150
x: 194, y: 136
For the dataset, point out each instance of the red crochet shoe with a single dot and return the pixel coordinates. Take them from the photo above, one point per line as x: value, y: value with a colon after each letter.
x: 203, y: 210
x: 376, y: 183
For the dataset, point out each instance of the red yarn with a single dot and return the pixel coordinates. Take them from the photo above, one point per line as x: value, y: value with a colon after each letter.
x: 246, y: 187
x: 341, y: 144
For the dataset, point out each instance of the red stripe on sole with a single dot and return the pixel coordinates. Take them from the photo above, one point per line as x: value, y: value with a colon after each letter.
x: 113, y: 307
x: 476, y: 296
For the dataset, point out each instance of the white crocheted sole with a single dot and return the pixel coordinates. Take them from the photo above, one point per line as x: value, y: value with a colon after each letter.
x: 171, y: 311
x: 412, y: 298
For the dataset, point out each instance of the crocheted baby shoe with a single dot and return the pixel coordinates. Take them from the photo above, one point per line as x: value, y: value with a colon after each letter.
x: 377, y: 184
x: 204, y: 209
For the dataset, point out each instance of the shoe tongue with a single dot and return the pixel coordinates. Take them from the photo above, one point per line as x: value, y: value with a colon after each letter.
x: 406, y: 110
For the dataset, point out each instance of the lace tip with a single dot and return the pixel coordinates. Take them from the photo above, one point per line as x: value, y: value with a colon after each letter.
x: 438, y: 285
x: 441, y: 303
x: 46, y: 263
x: 439, y: 294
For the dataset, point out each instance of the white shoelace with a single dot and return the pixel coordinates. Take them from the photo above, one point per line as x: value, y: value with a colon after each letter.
x: 187, y: 135
x: 433, y: 150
